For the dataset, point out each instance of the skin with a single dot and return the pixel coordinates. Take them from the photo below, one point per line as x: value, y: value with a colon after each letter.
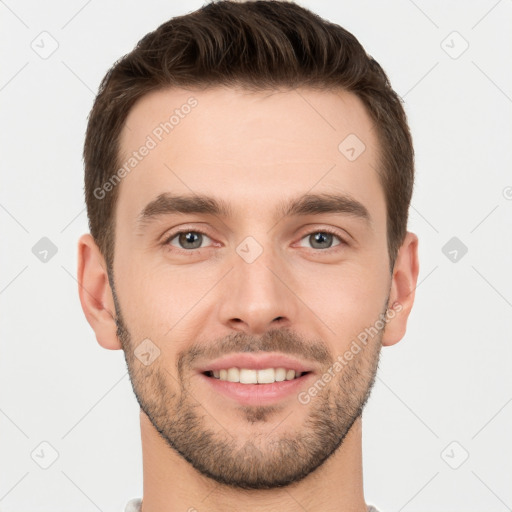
x: 252, y: 150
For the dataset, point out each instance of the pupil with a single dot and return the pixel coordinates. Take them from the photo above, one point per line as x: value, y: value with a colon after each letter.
x: 322, y: 238
x: 190, y: 238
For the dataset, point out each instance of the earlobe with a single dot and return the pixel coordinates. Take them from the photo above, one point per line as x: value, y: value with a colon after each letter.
x: 95, y: 293
x: 403, y: 286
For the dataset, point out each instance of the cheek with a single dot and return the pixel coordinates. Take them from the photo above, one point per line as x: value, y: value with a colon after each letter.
x: 155, y: 307
x: 159, y: 301
x: 347, y: 299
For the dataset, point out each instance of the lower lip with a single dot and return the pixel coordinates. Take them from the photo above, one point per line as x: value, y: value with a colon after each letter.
x: 257, y: 394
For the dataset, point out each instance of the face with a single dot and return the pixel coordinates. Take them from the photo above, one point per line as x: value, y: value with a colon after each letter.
x: 272, y: 259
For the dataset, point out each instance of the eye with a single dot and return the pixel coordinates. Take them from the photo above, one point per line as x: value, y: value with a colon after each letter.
x: 187, y: 239
x: 322, y: 239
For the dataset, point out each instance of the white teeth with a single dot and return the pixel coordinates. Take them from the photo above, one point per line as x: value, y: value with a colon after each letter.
x: 266, y: 376
x: 280, y: 374
x: 250, y: 376
x: 290, y: 374
x: 233, y: 375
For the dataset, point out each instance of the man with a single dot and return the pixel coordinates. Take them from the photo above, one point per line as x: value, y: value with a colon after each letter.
x: 248, y: 174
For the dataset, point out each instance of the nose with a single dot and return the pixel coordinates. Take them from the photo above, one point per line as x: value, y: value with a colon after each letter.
x: 257, y: 295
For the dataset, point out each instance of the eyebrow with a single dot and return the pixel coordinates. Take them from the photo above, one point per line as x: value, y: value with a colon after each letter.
x: 308, y: 204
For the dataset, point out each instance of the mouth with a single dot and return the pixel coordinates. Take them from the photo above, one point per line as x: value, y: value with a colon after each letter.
x: 246, y: 391
x: 255, y: 378
x: 252, y: 376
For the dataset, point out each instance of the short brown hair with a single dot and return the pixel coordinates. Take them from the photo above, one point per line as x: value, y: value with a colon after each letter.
x: 257, y: 45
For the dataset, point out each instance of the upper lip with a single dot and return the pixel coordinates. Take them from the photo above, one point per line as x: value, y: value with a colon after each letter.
x: 256, y: 361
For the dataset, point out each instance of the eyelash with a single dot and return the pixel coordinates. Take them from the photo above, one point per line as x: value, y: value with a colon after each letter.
x: 172, y: 236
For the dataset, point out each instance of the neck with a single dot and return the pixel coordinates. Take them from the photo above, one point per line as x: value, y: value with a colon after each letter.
x: 172, y: 484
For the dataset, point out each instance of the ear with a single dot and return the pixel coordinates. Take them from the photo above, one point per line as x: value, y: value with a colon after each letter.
x: 403, y: 286
x: 95, y: 293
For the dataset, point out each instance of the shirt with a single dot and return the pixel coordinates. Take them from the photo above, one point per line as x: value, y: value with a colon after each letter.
x: 134, y: 506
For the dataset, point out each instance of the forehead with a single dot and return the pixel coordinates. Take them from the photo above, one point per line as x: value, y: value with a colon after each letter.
x: 251, y: 149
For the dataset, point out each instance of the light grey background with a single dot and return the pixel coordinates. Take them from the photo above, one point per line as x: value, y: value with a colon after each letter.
x: 443, y: 393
